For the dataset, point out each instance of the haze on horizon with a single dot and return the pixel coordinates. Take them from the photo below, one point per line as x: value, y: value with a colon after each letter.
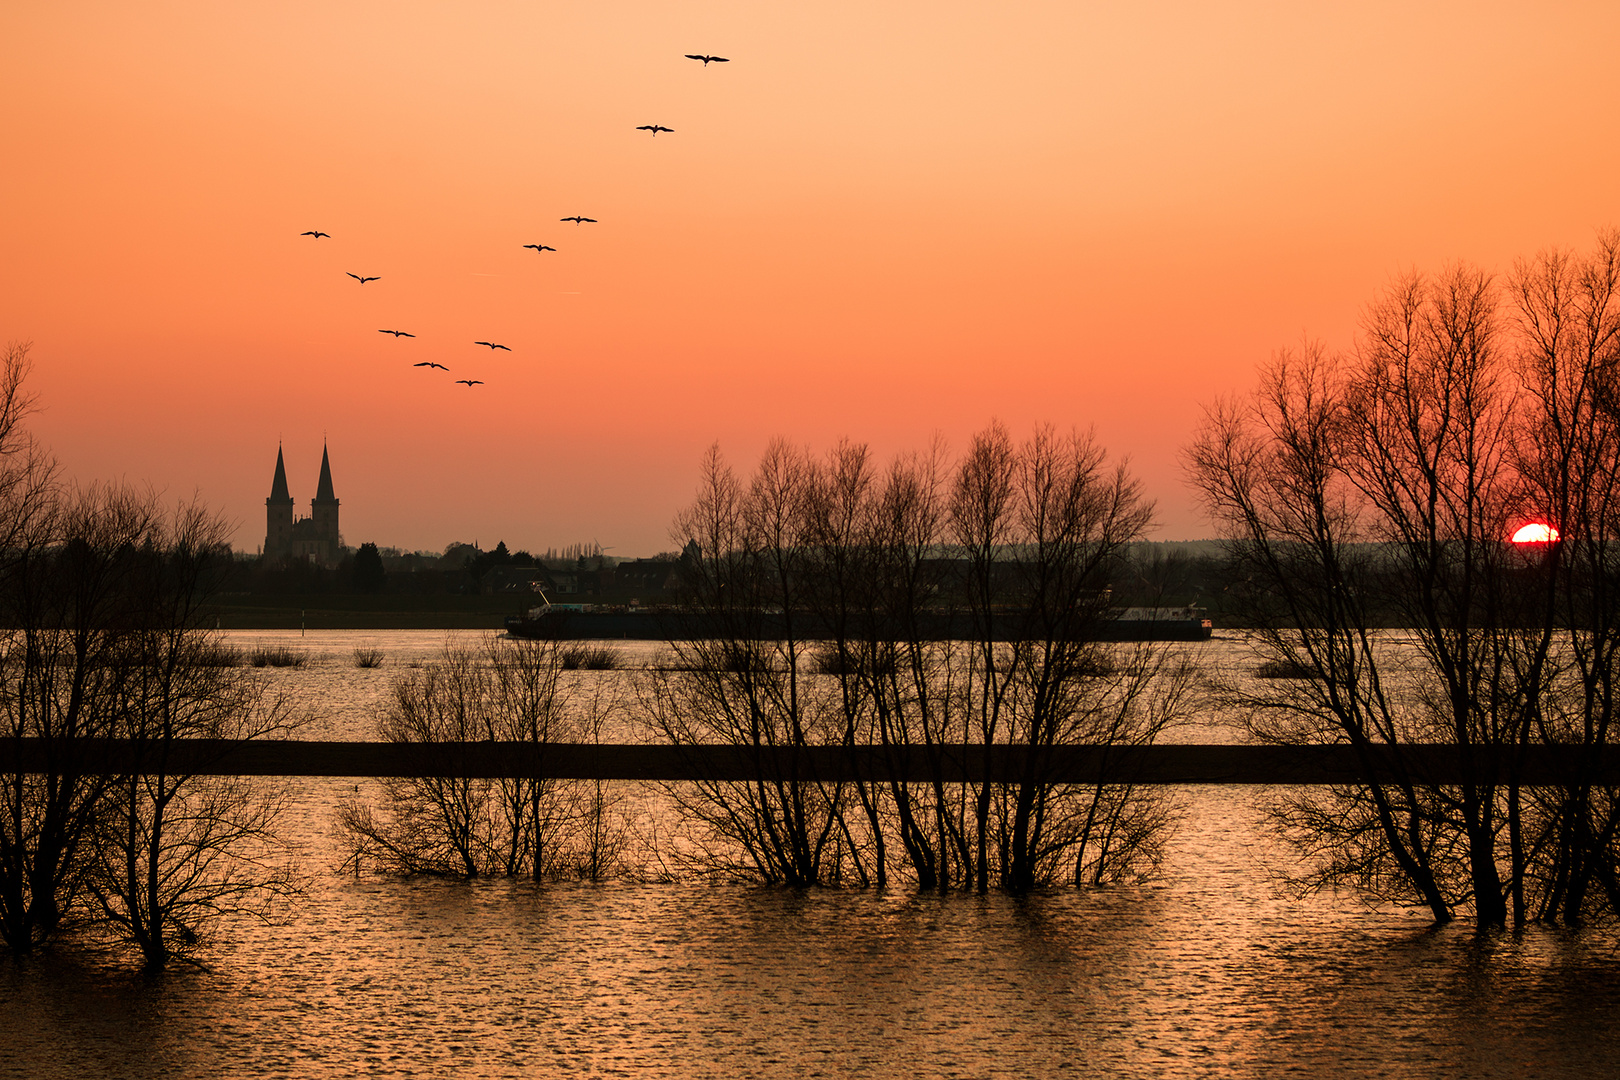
x: 876, y: 222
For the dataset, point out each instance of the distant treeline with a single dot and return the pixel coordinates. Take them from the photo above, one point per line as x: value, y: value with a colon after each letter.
x: 1148, y: 573
x: 461, y: 569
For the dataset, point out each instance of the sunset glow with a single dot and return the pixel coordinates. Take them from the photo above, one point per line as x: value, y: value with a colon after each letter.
x: 1536, y: 532
x: 882, y: 222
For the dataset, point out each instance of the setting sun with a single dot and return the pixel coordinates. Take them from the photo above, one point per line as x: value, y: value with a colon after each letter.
x: 1537, y: 532
x: 1137, y: 187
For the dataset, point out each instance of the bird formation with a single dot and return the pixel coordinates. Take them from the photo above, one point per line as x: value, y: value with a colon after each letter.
x: 577, y: 219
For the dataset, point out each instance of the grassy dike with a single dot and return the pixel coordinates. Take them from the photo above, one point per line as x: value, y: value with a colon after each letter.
x: 336, y: 611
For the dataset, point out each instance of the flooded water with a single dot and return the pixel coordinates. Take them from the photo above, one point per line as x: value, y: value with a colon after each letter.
x: 1207, y: 971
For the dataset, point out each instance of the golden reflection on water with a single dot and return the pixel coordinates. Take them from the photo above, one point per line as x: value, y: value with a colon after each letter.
x: 1209, y: 971
x: 1205, y: 973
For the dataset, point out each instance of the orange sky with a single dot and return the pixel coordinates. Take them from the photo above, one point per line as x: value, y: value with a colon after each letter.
x: 881, y: 221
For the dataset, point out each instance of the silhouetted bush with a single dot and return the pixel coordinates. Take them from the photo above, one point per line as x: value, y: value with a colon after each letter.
x: 278, y: 656
x: 1284, y: 669
x: 577, y: 656
x: 461, y: 826
x: 219, y: 654
x: 368, y: 656
x: 830, y: 660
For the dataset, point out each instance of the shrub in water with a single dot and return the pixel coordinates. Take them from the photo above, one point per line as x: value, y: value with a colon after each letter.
x: 278, y: 656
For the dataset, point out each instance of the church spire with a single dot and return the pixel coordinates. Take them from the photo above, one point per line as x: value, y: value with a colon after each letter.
x: 278, y: 486
x: 323, y: 491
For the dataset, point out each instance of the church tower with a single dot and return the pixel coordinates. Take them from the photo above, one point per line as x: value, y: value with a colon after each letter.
x: 278, y: 512
x: 323, y: 509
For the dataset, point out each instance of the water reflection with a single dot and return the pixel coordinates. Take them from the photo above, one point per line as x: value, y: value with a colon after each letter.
x: 1209, y: 971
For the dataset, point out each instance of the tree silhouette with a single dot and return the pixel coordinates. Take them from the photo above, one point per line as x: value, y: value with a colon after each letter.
x: 368, y: 573
x: 103, y: 598
x: 1386, y: 482
x: 925, y: 611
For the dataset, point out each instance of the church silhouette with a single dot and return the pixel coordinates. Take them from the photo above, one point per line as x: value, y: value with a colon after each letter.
x: 315, y: 538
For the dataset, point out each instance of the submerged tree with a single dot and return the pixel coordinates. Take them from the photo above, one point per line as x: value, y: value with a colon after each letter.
x: 1380, y: 488
x: 49, y: 670
x: 738, y: 681
x: 103, y: 595
x: 447, y: 823
x: 172, y: 850
x: 1043, y: 527
x: 923, y: 613
x: 1566, y: 311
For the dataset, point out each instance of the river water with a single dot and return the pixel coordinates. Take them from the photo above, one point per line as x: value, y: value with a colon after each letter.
x: 1209, y: 970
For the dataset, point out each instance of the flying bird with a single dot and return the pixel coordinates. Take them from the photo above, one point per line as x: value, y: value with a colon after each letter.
x: 361, y: 280
x: 541, y: 247
x: 470, y: 382
x: 492, y: 345
x: 655, y: 129
x: 429, y: 363
x: 577, y: 220
x: 316, y: 233
x: 707, y: 60
x: 396, y: 333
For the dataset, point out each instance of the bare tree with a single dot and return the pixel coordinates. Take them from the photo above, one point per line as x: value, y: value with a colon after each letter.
x: 873, y: 546
x: 600, y: 843
x: 103, y: 594
x: 740, y: 682
x: 44, y: 815
x: 1043, y: 526
x: 1277, y: 474
x: 446, y: 823
x: 1380, y: 489
x: 435, y: 824
x: 172, y: 850
x: 1567, y: 310
x: 918, y: 614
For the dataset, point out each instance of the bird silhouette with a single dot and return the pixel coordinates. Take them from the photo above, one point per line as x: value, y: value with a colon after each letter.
x: 429, y: 363
x: 577, y: 220
x: 361, y: 280
x: 471, y: 382
x: 396, y: 333
x: 655, y: 129
x: 707, y: 60
x: 316, y: 233
x: 540, y: 247
x: 492, y: 345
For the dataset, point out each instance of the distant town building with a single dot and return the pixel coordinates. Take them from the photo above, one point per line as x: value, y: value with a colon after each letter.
x: 314, y: 538
x: 658, y: 575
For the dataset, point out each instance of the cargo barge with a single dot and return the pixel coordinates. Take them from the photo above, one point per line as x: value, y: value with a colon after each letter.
x: 590, y: 622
